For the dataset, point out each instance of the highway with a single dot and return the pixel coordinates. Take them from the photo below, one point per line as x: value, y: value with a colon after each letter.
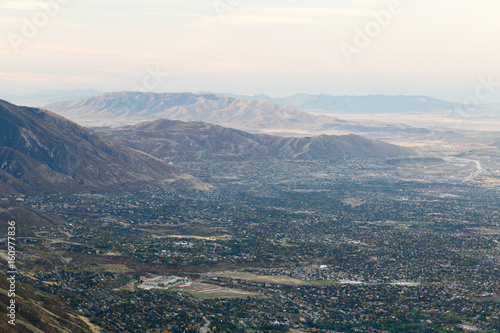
x: 479, y: 171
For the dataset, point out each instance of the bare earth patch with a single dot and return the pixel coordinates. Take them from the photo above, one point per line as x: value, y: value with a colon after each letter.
x: 272, y: 279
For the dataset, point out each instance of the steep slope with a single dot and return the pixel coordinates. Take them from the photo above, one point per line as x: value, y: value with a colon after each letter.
x: 36, y: 310
x: 198, y: 141
x: 124, y: 108
x: 43, y: 152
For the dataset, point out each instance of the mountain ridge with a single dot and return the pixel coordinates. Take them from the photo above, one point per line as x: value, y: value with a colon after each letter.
x: 179, y: 141
x: 128, y: 108
x: 44, y: 152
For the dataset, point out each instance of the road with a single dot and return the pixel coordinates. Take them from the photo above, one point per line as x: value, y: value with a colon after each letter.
x: 479, y: 171
x: 63, y: 284
x: 54, y: 252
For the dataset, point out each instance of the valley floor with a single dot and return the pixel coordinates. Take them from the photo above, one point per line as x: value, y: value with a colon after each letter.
x: 370, y: 245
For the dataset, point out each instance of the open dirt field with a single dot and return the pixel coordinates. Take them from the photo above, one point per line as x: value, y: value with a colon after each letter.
x: 278, y: 279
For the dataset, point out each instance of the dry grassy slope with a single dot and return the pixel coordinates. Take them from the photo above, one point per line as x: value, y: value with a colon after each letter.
x: 37, y: 311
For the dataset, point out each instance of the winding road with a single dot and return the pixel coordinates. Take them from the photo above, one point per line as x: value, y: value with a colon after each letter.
x: 54, y: 252
x: 479, y: 171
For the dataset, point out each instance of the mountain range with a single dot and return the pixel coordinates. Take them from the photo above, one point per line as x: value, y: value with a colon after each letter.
x: 370, y: 104
x: 322, y: 103
x: 128, y: 108
x: 198, y: 141
x: 43, y: 152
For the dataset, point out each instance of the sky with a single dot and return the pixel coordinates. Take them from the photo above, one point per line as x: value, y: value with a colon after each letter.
x: 439, y: 48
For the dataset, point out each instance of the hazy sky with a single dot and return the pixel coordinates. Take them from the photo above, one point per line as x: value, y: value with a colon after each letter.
x: 430, y: 47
